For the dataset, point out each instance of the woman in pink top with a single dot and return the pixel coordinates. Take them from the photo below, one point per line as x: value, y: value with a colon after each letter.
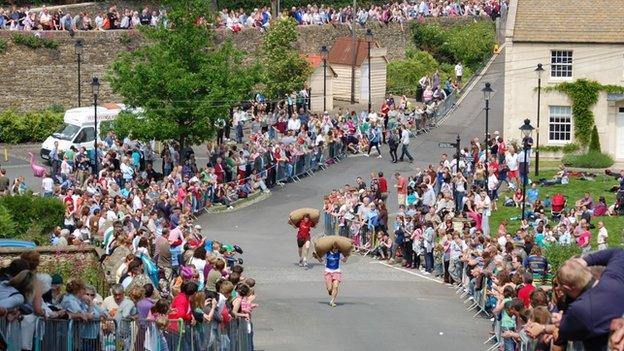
x: 584, y: 239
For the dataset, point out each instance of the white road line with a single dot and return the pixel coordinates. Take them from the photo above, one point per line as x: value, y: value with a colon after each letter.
x: 410, y: 272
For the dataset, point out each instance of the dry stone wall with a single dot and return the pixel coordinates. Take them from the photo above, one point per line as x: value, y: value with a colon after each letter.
x: 38, y: 78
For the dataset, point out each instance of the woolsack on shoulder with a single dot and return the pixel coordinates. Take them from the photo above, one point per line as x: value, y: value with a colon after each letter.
x: 297, y: 215
x: 324, y: 244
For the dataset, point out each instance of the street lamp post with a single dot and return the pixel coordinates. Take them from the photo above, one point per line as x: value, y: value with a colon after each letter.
x: 95, y: 89
x: 526, y: 129
x: 487, y: 93
x: 78, y: 46
x: 324, y: 54
x: 369, y: 40
x: 539, y: 70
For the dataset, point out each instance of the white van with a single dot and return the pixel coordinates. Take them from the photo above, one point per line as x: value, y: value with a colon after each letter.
x: 78, y: 128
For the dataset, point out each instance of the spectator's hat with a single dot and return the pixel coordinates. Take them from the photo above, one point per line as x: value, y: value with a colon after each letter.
x: 198, y: 227
x: 56, y: 279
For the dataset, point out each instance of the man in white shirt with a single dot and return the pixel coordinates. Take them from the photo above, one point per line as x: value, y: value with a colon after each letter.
x: 405, y: 145
x: 512, y: 163
x: 47, y: 185
x: 603, y: 234
x: 294, y: 123
x: 459, y: 72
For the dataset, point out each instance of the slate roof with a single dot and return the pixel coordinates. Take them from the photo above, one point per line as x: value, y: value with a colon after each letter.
x: 570, y: 21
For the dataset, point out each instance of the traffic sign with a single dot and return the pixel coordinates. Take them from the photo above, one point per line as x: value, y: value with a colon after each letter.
x: 447, y: 145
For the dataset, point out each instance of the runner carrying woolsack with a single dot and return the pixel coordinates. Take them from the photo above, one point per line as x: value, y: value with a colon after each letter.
x: 332, y: 274
x: 303, y: 239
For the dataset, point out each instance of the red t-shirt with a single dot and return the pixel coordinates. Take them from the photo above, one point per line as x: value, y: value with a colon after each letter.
x: 402, y: 185
x: 383, y: 185
x: 304, y: 230
x: 524, y: 294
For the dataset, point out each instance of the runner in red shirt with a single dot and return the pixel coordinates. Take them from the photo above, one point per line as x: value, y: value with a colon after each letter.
x: 303, y: 239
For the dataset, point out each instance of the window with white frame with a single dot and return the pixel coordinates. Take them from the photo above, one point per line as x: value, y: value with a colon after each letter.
x: 560, y: 124
x: 561, y: 63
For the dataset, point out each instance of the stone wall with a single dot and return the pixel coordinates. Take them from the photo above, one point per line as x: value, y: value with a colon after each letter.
x: 49, y: 255
x: 38, y: 78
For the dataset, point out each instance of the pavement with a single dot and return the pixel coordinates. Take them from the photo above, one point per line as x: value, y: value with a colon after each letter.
x: 379, y: 307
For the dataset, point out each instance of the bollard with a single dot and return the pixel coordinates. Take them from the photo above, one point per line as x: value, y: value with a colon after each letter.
x: 6, y: 154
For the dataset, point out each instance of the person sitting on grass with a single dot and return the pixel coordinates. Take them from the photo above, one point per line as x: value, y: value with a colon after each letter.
x: 518, y: 198
x: 532, y: 194
x: 587, y: 201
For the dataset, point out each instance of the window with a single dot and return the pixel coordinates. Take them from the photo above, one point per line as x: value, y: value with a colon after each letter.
x: 561, y: 63
x: 86, y: 135
x: 560, y: 124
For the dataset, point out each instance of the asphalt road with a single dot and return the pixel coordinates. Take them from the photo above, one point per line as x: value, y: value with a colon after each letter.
x: 379, y: 307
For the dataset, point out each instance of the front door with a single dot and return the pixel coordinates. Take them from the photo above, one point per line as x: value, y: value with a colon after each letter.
x: 619, y: 140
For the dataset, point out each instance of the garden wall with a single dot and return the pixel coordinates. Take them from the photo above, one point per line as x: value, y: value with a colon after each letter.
x: 38, y: 78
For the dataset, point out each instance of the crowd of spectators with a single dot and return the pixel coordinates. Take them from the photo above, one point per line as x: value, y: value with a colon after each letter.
x: 442, y: 228
x: 15, y: 18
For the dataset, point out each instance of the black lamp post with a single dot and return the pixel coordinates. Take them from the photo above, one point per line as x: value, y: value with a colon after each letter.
x: 539, y: 70
x: 78, y: 46
x: 324, y: 54
x: 369, y: 40
x: 487, y: 93
x: 526, y: 129
x: 95, y: 89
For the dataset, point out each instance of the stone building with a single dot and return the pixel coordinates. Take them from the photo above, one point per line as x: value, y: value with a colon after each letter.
x: 341, y: 60
x: 572, y: 40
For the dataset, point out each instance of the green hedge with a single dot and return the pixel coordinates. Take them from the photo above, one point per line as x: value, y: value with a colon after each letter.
x: 7, y: 224
x: 567, y: 148
x: 592, y: 159
x: 3, y: 45
x: 34, y: 126
x: 33, y: 41
x: 471, y: 44
x: 557, y: 254
x: 403, y: 75
x: 33, y: 217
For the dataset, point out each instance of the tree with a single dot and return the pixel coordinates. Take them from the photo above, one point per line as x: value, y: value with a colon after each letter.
x: 181, y: 78
x: 594, y: 142
x: 284, y: 69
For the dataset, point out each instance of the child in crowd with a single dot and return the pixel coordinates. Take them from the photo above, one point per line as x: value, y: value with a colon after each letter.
x: 438, y: 260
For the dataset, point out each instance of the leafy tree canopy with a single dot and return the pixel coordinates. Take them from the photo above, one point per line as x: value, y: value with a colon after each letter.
x: 284, y: 69
x: 181, y: 78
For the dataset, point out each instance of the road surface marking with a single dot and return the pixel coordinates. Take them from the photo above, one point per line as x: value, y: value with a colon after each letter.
x: 410, y: 272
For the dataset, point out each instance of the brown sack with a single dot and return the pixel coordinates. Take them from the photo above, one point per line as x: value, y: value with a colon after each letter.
x: 297, y: 215
x: 324, y: 244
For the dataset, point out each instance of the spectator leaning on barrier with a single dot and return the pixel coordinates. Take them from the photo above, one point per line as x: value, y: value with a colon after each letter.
x: 589, y: 304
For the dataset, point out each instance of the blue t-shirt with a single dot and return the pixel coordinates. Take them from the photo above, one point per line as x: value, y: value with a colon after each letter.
x: 332, y: 260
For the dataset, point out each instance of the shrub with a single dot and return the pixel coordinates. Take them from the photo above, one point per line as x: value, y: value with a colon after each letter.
x: 403, y: 75
x: 33, y: 41
x: 7, y: 225
x: 20, y: 127
x: 3, y: 45
x: 557, y: 254
x: 566, y: 149
x: 34, y: 217
x: 592, y: 159
x: 594, y: 143
x: 469, y: 44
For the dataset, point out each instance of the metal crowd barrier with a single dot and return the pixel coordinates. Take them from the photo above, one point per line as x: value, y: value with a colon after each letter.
x: 41, y: 334
x: 444, y: 107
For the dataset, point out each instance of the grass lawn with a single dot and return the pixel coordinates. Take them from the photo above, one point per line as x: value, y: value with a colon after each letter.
x: 574, y: 191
